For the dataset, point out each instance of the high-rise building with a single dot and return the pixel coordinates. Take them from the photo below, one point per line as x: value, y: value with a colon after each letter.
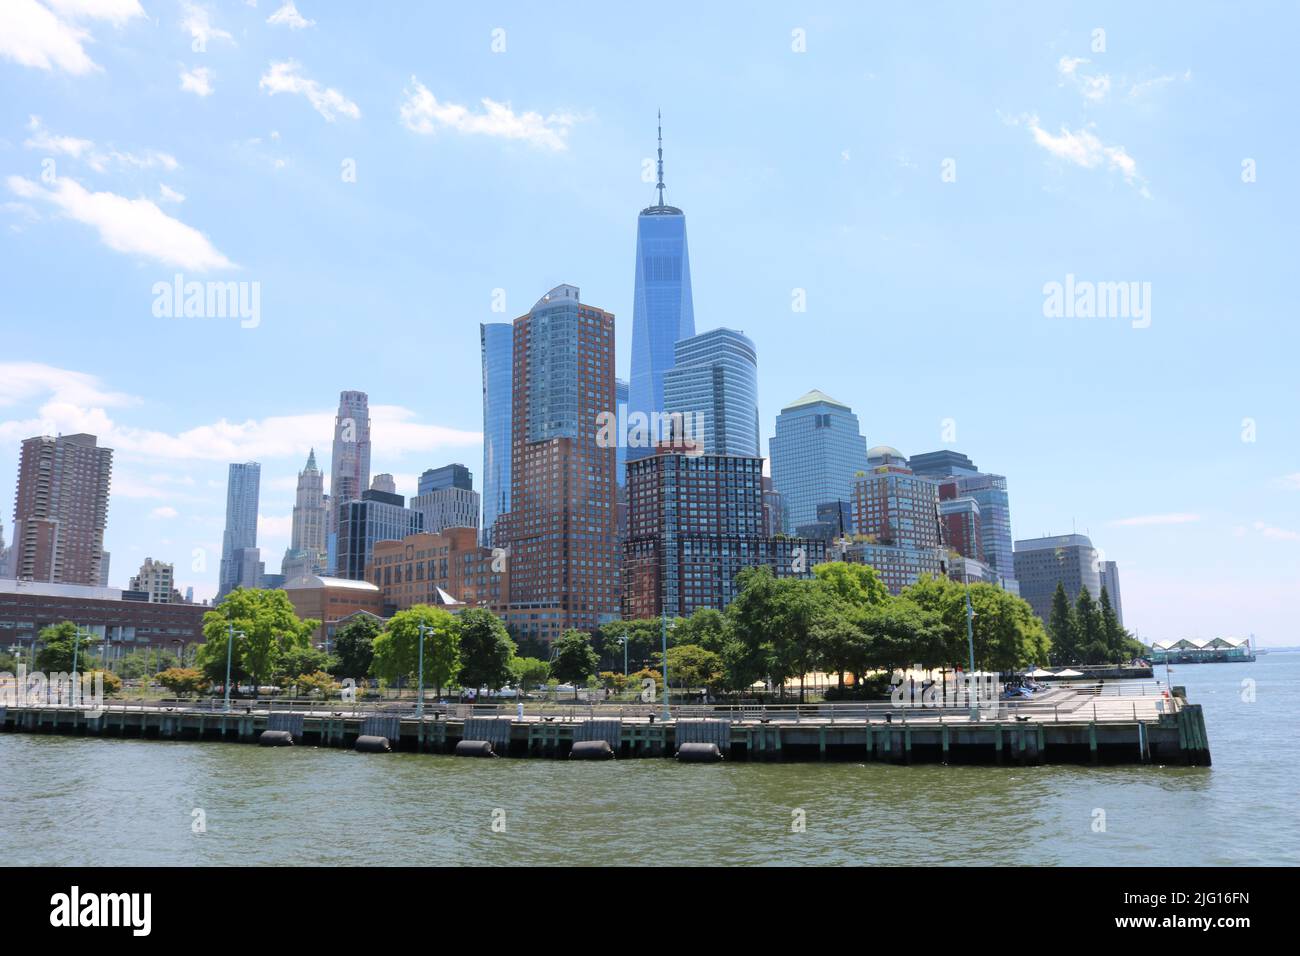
x: 896, y: 518
x: 1042, y: 563
x: 662, y: 309
x: 158, y: 580
x: 695, y: 522
x: 61, y: 510
x: 834, y: 522
x: 375, y: 516
x: 449, y: 568
x: 385, y: 483
x: 817, y: 450
x: 447, y: 499
x: 1108, y: 573
x: 961, y: 523
x: 497, y: 343
x: 241, y: 564
x: 448, y: 476
x: 773, y: 509
x: 990, y: 493
x: 561, y: 530
x: 307, y: 552
x: 714, y: 381
x: 620, y: 410
x: 350, y: 460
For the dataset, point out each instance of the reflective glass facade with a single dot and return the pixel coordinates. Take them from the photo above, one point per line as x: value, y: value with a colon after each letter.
x: 816, y: 451
x: 714, y: 379
x: 497, y: 342
x: 662, y: 312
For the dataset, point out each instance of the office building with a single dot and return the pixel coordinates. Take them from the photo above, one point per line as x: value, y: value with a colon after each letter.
x: 158, y: 581
x: 385, y: 483
x: 896, y: 520
x: 713, y: 385
x: 662, y: 309
x: 61, y: 510
x: 447, y: 499
x: 817, y: 450
x: 497, y: 344
x: 306, y: 553
x: 375, y: 516
x: 449, y: 568
x: 241, y: 565
x: 1042, y: 563
x: 350, y: 461
x: 1108, y: 575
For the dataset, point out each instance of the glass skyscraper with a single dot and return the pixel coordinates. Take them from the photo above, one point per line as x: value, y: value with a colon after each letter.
x: 715, y: 381
x: 662, y: 313
x: 239, y: 554
x: 497, y: 340
x: 817, y: 450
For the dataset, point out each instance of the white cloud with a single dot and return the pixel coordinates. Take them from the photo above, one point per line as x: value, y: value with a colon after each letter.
x: 169, y: 194
x: 43, y: 139
x: 1279, y: 534
x: 116, y: 12
x: 198, y: 22
x: 1093, y: 86
x: 1290, y: 482
x: 31, y: 35
x: 27, y: 381
x: 289, y: 16
x: 197, y: 81
x: 422, y: 113
x: 286, y: 77
x: 131, y: 226
x: 166, y: 511
x: 97, y: 159
x: 1083, y: 148
x: 1143, y: 87
x: 1142, y: 520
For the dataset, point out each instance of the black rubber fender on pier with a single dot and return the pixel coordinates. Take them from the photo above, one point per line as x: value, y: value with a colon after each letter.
x: 591, y: 750
x: 699, y: 753
x: 372, y: 744
x: 276, y: 738
x: 475, y: 748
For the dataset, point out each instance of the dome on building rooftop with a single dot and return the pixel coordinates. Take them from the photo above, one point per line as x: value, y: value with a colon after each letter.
x: 884, y: 451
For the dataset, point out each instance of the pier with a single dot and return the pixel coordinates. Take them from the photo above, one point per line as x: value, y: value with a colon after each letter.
x: 1130, y: 722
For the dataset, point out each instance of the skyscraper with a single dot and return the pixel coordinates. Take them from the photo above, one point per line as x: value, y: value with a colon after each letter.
x: 662, y: 309
x: 620, y: 411
x: 350, y: 457
x: 1108, y: 572
x: 307, y: 553
x: 694, y: 522
x: 497, y: 343
x: 61, y: 509
x: 240, y: 559
x: 897, y: 514
x: 157, y: 580
x: 447, y: 499
x: 714, y: 380
x: 1042, y: 563
x: 385, y: 483
x: 561, y: 529
x: 375, y: 516
x: 990, y: 493
x: 817, y: 450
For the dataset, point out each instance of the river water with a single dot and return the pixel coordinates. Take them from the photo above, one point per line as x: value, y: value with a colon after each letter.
x: 85, y: 801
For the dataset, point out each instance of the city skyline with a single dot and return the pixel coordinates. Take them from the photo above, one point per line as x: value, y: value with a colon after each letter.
x: 1130, y: 434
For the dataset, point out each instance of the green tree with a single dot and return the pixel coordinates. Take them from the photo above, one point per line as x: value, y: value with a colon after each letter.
x: 183, y: 681
x: 747, y: 653
x: 841, y: 644
x: 1117, y: 640
x: 297, y: 661
x: 1092, y: 639
x: 397, y: 649
x: 270, y: 630
x: 354, y: 646
x: 1063, y: 628
x: 59, y: 645
x: 1006, y: 633
x: 575, y: 659
x: 706, y: 628
x: 485, y: 650
x: 857, y: 585
x: 529, y: 672
x: 319, y: 683
x: 690, y: 665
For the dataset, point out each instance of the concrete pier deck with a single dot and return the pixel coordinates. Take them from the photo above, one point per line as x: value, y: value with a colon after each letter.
x: 1111, y: 723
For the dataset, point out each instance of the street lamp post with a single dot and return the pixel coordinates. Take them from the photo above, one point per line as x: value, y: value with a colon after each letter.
x: 230, y: 646
x: 419, y: 701
x: 76, y: 647
x: 970, y: 647
x: 663, y: 632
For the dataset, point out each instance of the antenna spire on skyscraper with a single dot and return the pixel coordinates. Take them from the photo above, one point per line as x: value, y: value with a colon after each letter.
x: 660, y: 186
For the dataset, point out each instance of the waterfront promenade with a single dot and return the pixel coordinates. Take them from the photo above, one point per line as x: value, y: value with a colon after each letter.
x: 1118, y: 722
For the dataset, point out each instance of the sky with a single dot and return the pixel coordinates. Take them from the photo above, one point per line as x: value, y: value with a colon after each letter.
x: 881, y: 196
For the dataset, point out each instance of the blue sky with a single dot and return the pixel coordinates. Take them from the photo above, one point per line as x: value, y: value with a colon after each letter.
x: 812, y: 148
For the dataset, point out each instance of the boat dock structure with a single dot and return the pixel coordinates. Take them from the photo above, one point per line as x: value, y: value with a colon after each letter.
x: 1129, y: 722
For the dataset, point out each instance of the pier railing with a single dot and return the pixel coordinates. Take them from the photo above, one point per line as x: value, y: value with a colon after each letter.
x: 1101, y: 703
